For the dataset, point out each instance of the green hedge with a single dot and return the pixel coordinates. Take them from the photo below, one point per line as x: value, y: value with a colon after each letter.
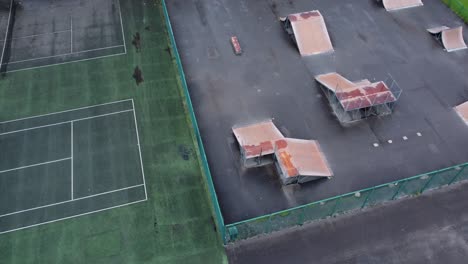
x: 460, y: 7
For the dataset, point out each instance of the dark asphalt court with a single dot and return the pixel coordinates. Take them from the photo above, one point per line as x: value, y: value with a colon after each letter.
x: 398, y: 232
x: 47, y: 32
x: 271, y: 80
x: 69, y: 163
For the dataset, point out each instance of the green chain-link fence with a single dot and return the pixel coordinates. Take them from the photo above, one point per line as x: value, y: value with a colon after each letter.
x: 460, y: 7
x: 188, y: 103
x: 344, y: 203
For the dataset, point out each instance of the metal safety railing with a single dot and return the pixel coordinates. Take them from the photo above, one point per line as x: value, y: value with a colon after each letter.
x: 459, y: 7
x: 345, y: 203
x: 188, y: 102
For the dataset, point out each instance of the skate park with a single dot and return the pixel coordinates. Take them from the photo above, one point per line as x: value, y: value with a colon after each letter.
x: 271, y: 80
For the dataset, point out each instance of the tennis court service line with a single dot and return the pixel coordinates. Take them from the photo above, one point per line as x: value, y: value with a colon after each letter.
x: 6, y: 33
x: 73, y: 216
x: 67, y: 62
x: 66, y: 54
x: 38, y: 35
x: 65, y: 122
x: 35, y: 165
x: 69, y: 201
x: 66, y: 111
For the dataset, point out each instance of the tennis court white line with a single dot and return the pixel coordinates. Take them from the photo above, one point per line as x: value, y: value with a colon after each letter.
x: 32, y: 128
x: 65, y: 111
x: 65, y: 54
x: 90, y: 196
x: 73, y: 216
x: 68, y: 62
x: 35, y: 165
x: 6, y: 33
x: 80, y: 60
x: 71, y: 155
x: 113, y: 191
x: 69, y: 201
x: 96, y: 49
x: 121, y: 25
x: 65, y: 122
x: 96, y: 116
x: 38, y: 35
x: 71, y: 34
x: 139, y: 147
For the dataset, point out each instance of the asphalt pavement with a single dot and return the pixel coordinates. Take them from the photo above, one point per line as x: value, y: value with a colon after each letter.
x: 431, y: 228
x: 271, y: 80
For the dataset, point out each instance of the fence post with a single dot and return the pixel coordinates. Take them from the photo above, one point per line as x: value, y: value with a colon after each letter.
x: 336, y: 205
x: 428, y: 182
x: 367, y: 198
x: 268, y: 229
x: 398, y: 190
x: 301, y: 217
x: 456, y: 175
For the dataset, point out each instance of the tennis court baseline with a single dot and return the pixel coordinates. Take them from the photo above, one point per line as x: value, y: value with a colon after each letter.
x: 67, y: 164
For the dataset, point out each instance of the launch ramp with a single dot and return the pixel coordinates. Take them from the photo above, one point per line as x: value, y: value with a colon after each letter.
x: 256, y: 142
x: 309, y: 32
x: 450, y: 38
x: 300, y: 161
x: 353, y: 101
x: 393, y: 5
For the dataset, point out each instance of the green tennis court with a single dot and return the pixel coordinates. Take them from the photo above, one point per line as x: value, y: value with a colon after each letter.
x: 109, y: 219
x: 35, y: 34
x: 68, y: 164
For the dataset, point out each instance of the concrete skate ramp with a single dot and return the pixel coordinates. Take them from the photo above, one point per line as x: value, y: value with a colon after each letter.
x: 393, y: 5
x: 356, y: 95
x: 335, y: 81
x: 311, y: 33
x: 362, y: 82
x: 257, y: 139
x: 451, y: 38
x: 462, y: 111
x: 301, y: 158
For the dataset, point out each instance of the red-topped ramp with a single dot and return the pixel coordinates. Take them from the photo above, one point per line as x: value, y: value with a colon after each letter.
x: 300, y: 161
x: 257, y: 141
x: 309, y: 32
x: 356, y: 95
x: 451, y: 38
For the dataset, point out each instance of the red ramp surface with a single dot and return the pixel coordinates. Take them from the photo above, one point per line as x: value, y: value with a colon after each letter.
x: 257, y: 139
x: 300, y: 160
x: 356, y: 95
x: 310, y: 32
